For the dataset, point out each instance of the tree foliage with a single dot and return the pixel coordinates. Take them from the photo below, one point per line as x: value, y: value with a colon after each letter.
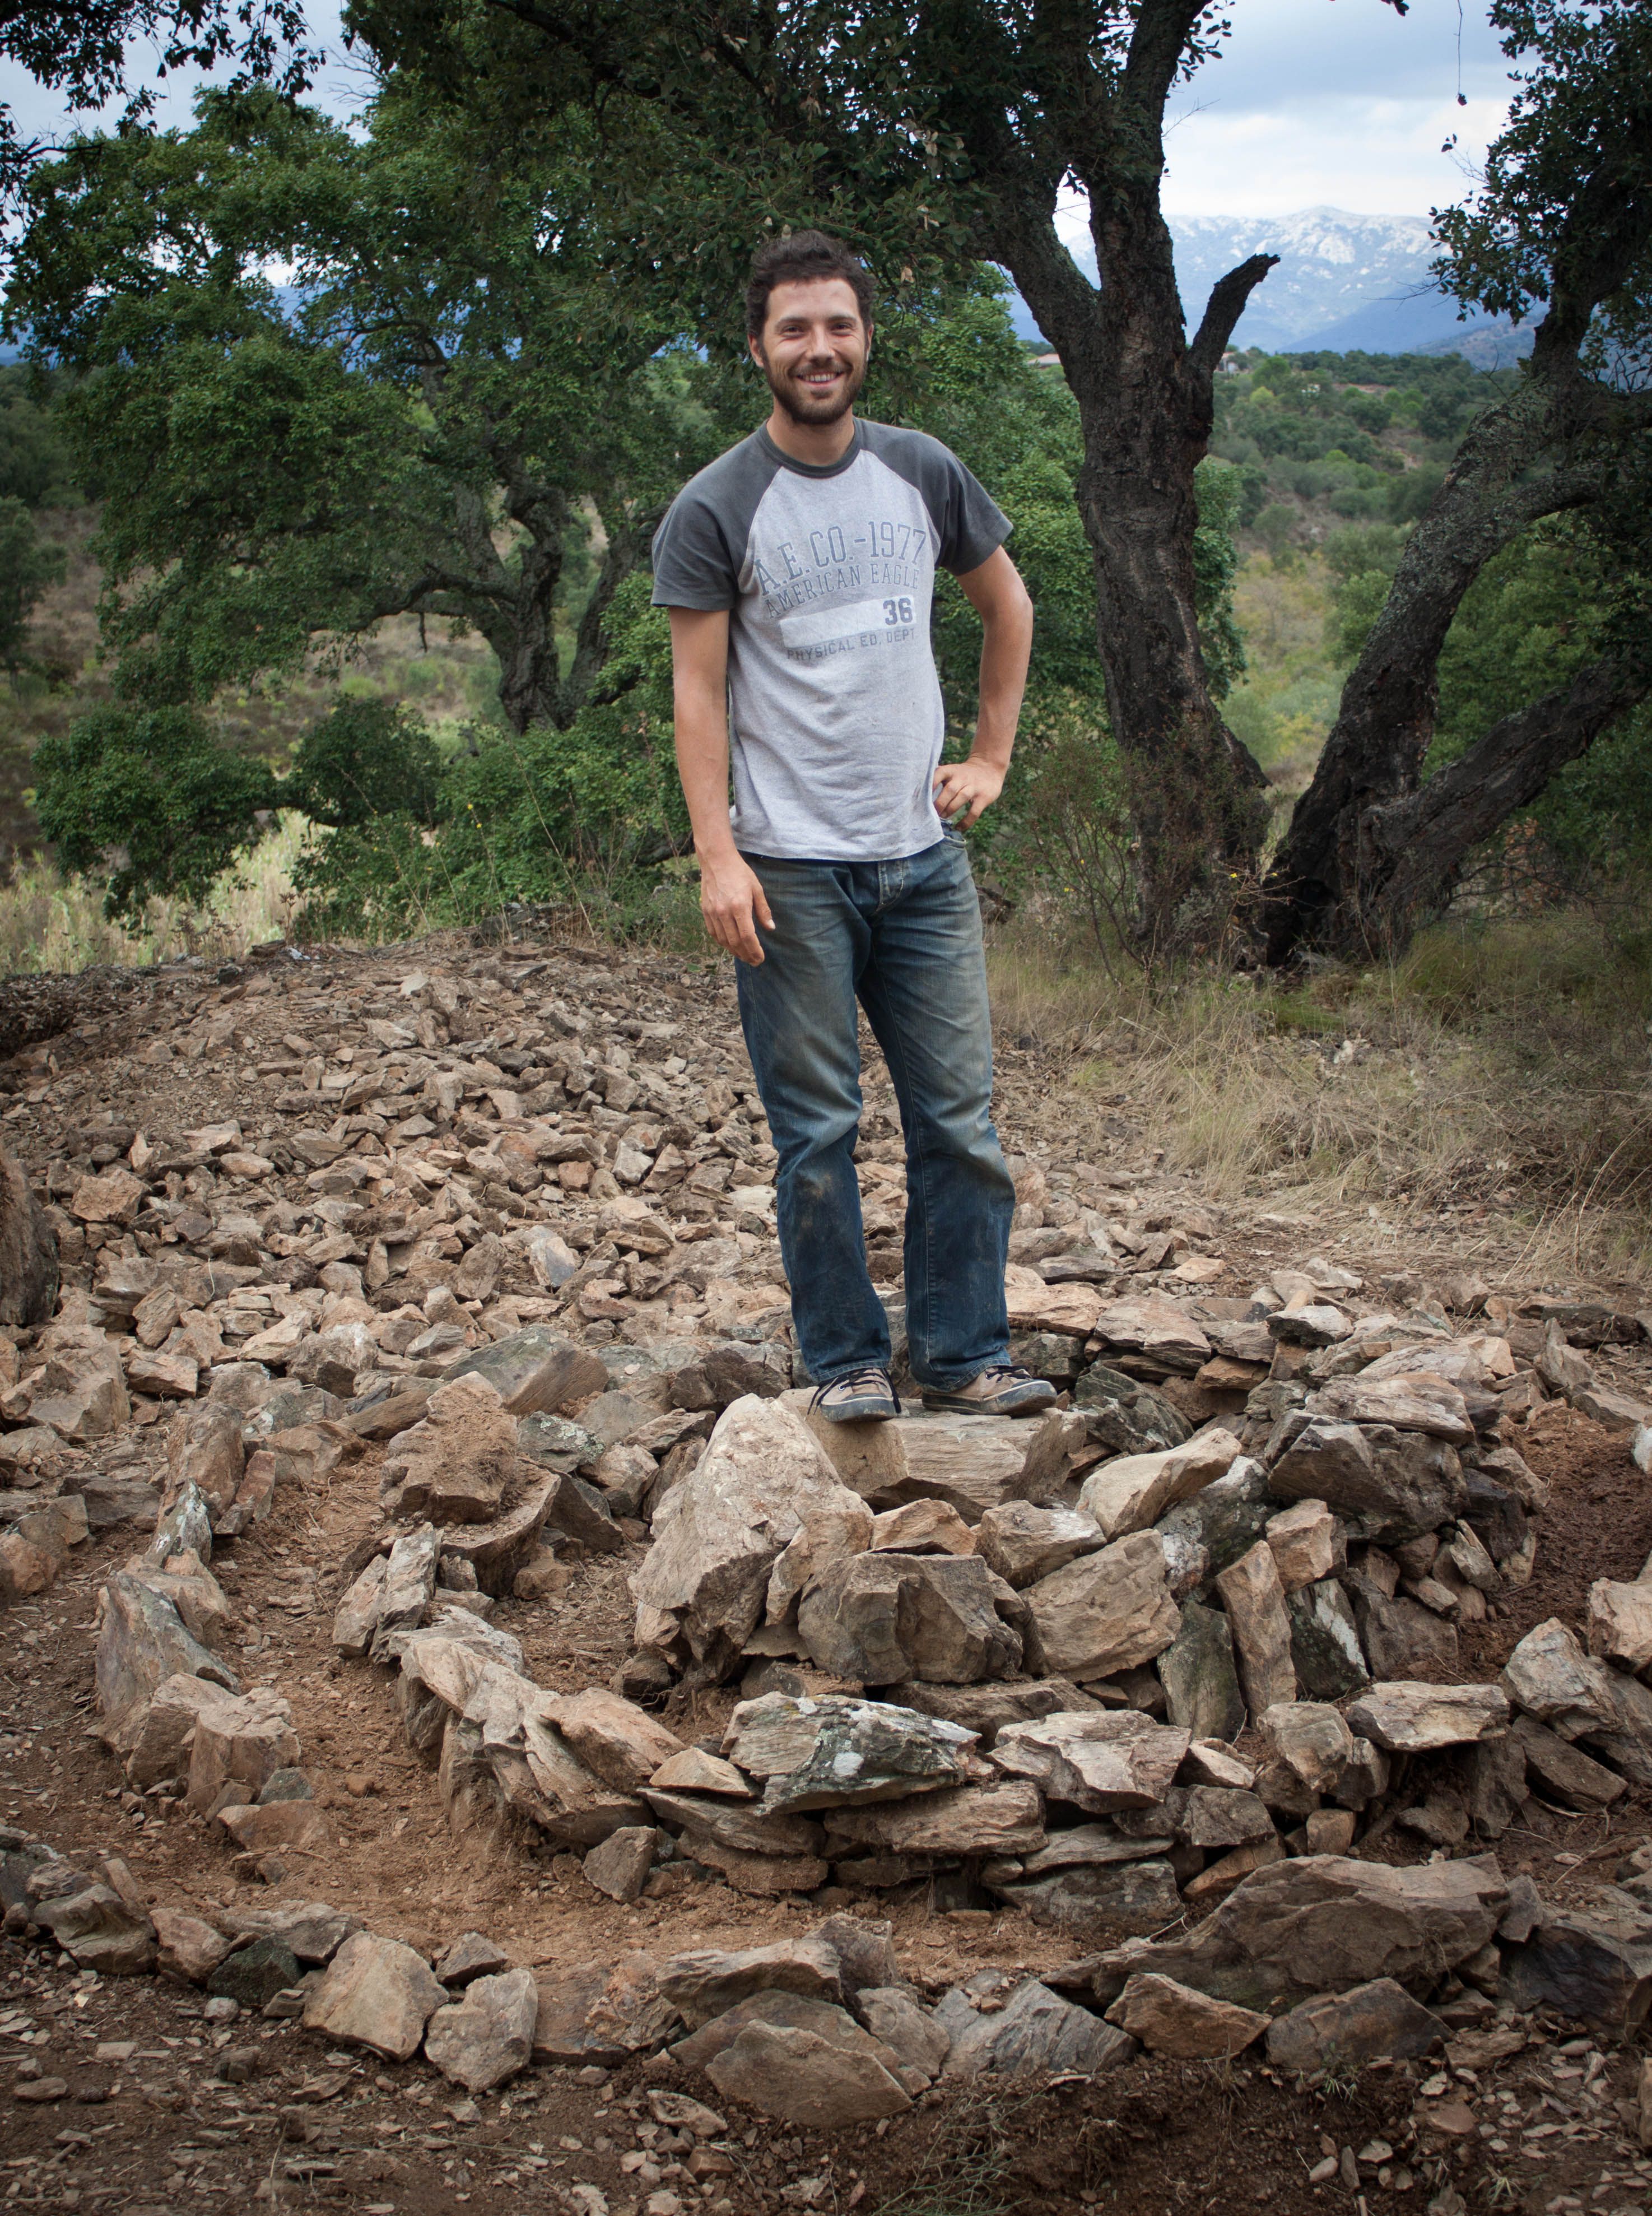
x: 147, y: 800
x: 451, y: 412
x: 931, y: 135
x: 365, y: 760
x: 86, y: 49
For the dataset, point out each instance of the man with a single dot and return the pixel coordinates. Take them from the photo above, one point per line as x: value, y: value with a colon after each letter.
x: 798, y: 570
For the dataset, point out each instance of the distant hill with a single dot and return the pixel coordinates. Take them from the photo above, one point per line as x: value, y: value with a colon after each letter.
x: 1344, y: 283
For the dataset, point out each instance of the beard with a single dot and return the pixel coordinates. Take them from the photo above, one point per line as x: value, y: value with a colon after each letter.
x: 804, y: 407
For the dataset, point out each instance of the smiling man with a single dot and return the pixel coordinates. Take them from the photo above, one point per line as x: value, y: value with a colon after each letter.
x: 799, y: 570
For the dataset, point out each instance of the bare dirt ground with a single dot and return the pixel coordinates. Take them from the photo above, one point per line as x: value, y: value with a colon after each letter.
x: 148, y: 2125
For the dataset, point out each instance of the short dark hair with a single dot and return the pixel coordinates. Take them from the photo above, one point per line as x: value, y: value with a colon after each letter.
x: 797, y: 259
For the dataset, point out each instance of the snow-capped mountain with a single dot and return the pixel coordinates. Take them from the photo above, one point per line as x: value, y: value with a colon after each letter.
x: 1343, y: 282
x: 1331, y: 266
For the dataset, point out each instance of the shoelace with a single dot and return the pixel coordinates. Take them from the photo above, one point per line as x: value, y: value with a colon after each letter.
x: 1012, y: 1372
x: 871, y: 1375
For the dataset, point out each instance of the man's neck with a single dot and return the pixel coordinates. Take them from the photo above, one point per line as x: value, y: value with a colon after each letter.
x: 818, y: 444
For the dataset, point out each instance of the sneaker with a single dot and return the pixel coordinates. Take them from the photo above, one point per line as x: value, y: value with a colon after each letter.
x: 1003, y: 1389
x: 859, y: 1396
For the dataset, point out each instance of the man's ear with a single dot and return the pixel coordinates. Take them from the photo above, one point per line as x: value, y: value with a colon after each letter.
x: 754, y: 347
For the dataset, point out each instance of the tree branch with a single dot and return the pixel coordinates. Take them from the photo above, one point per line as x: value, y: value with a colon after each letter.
x: 1418, y: 845
x: 1157, y: 45
x: 1223, y: 310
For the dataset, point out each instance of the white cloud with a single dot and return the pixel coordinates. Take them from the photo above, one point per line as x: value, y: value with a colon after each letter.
x: 1337, y: 103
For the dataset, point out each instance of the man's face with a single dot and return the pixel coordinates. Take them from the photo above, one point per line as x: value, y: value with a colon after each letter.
x: 813, y: 348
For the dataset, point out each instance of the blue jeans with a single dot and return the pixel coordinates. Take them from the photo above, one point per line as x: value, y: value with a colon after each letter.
x: 904, y: 939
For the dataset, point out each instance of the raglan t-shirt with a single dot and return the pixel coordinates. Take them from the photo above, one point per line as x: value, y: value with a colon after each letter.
x: 835, y: 719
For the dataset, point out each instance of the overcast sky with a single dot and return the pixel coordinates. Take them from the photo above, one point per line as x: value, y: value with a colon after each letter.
x: 1338, y: 103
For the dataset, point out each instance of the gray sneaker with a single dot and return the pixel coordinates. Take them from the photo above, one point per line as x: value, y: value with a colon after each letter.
x: 859, y: 1396
x: 1003, y: 1389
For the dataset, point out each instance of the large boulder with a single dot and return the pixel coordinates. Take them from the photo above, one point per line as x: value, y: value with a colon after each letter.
x: 534, y: 1372
x: 1032, y: 2031
x: 375, y: 1993
x: 1343, y: 2030
x: 458, y: 1463
x: 1023, y: 1543
x: 1105, y: 1612
x: 1321, y: 1923
x: 1202, y: 1685
x: 881, y: 1618
x: 1182, y: 2022
x: 1593, y: 1962
x: 1126, y: 1416
x: 487, y: 2036
x: 1255, y: 1600
x: 1133, y: 1491
x: 971, y: 1463
x: 807, y: 2080
x: 1386, y: 1485
x: 141, y: 1643
x: 832, y: 1752
x: 1414, y: 1719
x: 1325, y: 1648
x: 762, y: 1480
x: 241, y: 1740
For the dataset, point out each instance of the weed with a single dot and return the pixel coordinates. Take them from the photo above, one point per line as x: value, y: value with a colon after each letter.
x: 50, y: 921
x: 966, y: 2169
x: 1500, y: 1068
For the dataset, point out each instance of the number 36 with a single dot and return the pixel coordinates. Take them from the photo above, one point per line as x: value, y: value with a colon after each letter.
x: 898, y: 612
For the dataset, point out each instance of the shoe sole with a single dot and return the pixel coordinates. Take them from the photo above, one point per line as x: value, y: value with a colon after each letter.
x: 860, y: 1411
x: 1004, y: 1405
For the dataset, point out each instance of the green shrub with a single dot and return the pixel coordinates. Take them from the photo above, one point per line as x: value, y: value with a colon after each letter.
x: 367, y: 759
x: 147, y: 799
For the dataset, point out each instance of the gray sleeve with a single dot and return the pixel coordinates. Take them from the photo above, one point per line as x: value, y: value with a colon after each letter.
x: 699, y: 550
x: 694, y: 565
x: 969, y: 525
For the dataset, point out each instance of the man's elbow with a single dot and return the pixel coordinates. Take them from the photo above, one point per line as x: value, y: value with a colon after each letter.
x: 1012, y: 607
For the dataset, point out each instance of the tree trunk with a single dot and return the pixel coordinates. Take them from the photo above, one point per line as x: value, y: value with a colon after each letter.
x: 1145, y: 403
x: 1320, y: 888
x: 1341, y: 879
x: 1413, y: 850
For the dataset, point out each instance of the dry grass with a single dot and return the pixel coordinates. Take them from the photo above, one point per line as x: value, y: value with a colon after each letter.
x: 48, y: 921
x: 1501, y: 1072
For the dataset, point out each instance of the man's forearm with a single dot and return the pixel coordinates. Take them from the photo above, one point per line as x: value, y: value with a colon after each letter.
x: 703, y: 765
x: 1006, y: 651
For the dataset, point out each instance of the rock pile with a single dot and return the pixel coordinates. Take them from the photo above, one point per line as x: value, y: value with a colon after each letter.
x: 1178, y: 1650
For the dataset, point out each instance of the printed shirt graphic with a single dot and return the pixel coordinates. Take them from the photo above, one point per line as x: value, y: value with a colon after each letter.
x: 835, y: 719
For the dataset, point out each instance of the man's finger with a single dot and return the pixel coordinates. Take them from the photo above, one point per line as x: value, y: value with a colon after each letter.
x: 760, y: 906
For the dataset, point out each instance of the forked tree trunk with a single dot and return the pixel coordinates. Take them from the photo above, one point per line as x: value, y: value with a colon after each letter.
x: 1145, y: 403
x: 1372, y: 850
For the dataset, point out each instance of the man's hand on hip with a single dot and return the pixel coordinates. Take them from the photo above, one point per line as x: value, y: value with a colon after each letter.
x: 965, y: 790
x: 732, y: 903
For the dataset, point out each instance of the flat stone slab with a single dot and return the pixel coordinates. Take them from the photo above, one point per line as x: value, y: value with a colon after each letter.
x: 1101, y: 1761
x: 1186, y: 2025
x: 1341, y: 2030
x: 833, y: 1751
x: 1410, y: 1718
